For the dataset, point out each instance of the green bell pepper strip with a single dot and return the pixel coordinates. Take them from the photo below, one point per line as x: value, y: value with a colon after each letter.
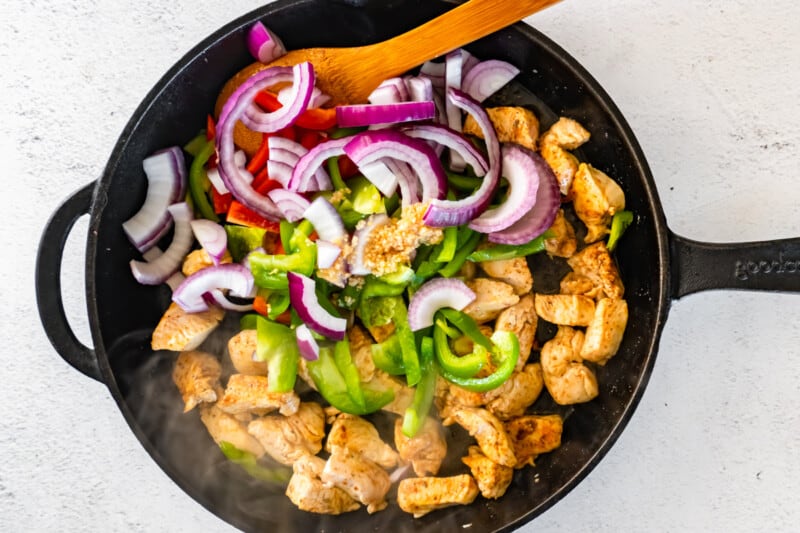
x: 499, y: 252
x: 448, y: 245
x: 198, y: 182
x: 349, y: 371
x: 277, y: 303
x: 277, y: 345
x: 449, y: 330
x: 388, y: 356
x: 269, y: 271
x: 463, y: 183
x: 249, y: 463
x: 194, y: 146
x: 374, y: 287
x: 505, y: 356
x: 467, y: 326
x: 408, y: 345
x: 460, y: 257
x: 464, y: 366
x: 248, y: 321
x: 619, y: 223
x: 242, y: 240
x: 286, y: 232
x: 415, y: 414
x: 345, y: 132
x: 350, y: 296
x: 335, y: 174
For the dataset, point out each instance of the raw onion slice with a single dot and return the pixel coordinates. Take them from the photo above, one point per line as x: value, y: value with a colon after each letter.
x: 279, y: 171
x: 216, y: 181
x: 217, y: 297
x: 444, y: 136
x: 380, y: 175
x: 488, y: 77
x: 212, y: 237
x: 434, y: 72
x: 434, y: 295
x: 468, y: 61
x: 158, y: 270
x: 307, y: 344
x: 456, y: 212
x: 302, y: 89
x: 318, y: 98
x: 406, y: 180
x: 326, y: 220
x: 452, y: 80
x: 360, y: 240
x: 166, y: 184
x: 232, y: 276
x: 291, y: 204
x: 371, y: 114
x: 391, y: 91
x: 174, y: 280
x: 327, y: 253
x: 303, y: 297
x: 263, y: 44
x: 308, y: 165
x: 278, y: 147
x: 419, y: 89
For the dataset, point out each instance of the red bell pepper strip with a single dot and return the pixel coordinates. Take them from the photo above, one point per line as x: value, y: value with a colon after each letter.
x: 260, y: 306
x: 211, y: 129
x: 222, y: 202
x: 244, y: 216
x: 312, y: 119
x: 259, y: 159
x: 309, y: 139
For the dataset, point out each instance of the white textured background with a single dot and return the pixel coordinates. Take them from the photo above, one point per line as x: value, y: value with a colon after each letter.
x: 711, y: 88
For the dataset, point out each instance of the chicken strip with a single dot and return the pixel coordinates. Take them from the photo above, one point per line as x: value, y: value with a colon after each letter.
x: 563, y: 164
x: 360, y: 437
x: 287, y: 438
x: 493, y: 479
x: 565, y: 309
x: 197, y: 260
x: 196, y: 374
x: 533, y: 435
x: 226, y: 428
x: 361, y: 351
x: 308, y: 493
x: 363, y: 480
x: 426, y: 450
x: 491, y: 297
x: 250, y: 394
x: 242, y: 350
x: 567, y: 379
x: 180, y: 331
x: 574, y: 283
x: 514, y: 271
x: 565, y: 134
x: 403, y: 394
x: 521, y: 320
x: 564, y: 242
x: 596, y: 198
x: 512, y: 124
x: 517, y: 393
x: 421, y: 495
x: 488, y: 432
x: 604, y: 334
x: 596, y: 263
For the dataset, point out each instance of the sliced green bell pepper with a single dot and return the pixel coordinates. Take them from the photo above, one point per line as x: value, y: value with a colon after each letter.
x: 242, y: 240
x: 468, y: 240
x: 619, y: 223
x: 388, y: 356
x: 277, y: 345
x: 198, y: 183
x: 464, y: 366
x: 249, y: 463
x: 415, y: 414
x: 499, y: 252
x: 467, y: 326
x: 269, y: 271
x: 349, y: 371
x: 505, y: 356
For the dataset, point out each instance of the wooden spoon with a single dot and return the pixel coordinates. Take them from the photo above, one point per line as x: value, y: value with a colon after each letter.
x: 349, y: 75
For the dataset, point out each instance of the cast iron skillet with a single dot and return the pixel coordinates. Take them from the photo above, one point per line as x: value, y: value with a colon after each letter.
x: 657, y: 267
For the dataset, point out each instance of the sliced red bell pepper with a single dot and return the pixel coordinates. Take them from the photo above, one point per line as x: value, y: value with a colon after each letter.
x: 259, y: 159
x: 312, y: 119
x: 244, y: 216
x: 347, y: 168
x: 260, y: 306
x: 222, y: 202
x: 309, y: 138
x: 211, y: 128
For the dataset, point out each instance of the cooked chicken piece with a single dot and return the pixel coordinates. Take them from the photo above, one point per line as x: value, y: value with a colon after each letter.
x: 512, y: 124
x: 596, y: 263
x: 226, y: 428
x: 565, y: 134
x: 565, y: 309
x: 403, y: 394
x: 604, y: 334
x: 533, y: 435
x: 567, y: 379
x: 382, y: 332
x: 521, y: 320
x: 363, y: 480
x: 361, y: 351
x: 493, y: 479
x: 199, y: 259
x: 250, y: 394
x: 491, y: 297
x: 180, y: 331
x: 308, y: 493
x: 196, y: 374
x: 467, y: 271
x: 421, y: 495
x: 574, y: 283
x: 517, y: 393
x: 514, y: 271
x: 450, y: 398
x: 564, y: 243
x: 242, y: 349
x: 563, y: 164
x: 488, y: 432
x: 426, y: 450
x: 287, y: 438
x: 361, y: 438
x: 596, y: 198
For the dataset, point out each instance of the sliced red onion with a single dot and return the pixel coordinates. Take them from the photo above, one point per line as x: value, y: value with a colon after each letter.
x: 212, y: 237
x: 306, y: 343
x: 289, y: 152
x: 434, y: 72
x: 318, y: 98
x: 380, y: 175
x: 283, y: 156
x: 451, y: 139
x: 291, y: 204
x: 456, y: 212
x: 302, y: 89
x: 488, y: 77
x: 216, y: 180
x: 326, y: 220
x: 406, y: 180
x: 370, y: 146
x: 434, y: 295
x: 217, y: 297
x: 282, y: 143
x: 441, y: 112
x: 310, y: 163
x: 370, y: 114
x: 166, y: 184
x: 453, y: 64
x: 263, y: 44
x: 391, y: 91
x: 303, y: 297
x: 158, y: 270
x: 327, y: 253
x: 174, y: 280
x: 280, y: 172
x: 232, y: 276
x: 419, y: 89
x: 468, y: 61
x: 360, y: 240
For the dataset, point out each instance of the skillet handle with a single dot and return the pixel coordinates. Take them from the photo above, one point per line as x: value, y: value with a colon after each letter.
x: 758, y: 266
x: 48, y: 284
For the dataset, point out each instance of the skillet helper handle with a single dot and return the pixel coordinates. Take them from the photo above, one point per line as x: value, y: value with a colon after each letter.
x: 758, y: 266
x: 48, y: 284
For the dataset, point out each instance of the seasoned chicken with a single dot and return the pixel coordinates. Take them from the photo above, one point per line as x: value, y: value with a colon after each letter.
x: 180, y: 331
x: 512, y: 124
x: 491, y: 297
x: 361, y: 351
x: 563, y: 164
x: 308, y: 493
x: 197, y: 260
x: 521, y: 320
x: 565, y: 134
x: 250, y: 394
x: 226, y: 428
x: 467, y: 271
x: 363, y: 480
x: 421, y: 495
x: 604, y: 334
x: 565, y: 309
x: 450, y: 398
x: 596, y: 198
x: 493, y: 479
x: 403, y: 394
x: 514, y: 271
x: 564, y: 242
x: 596, y: 263
x: 196, y: 374
x: 360, y: 438
x: 517, y: 393
x: 242, y: 349
x: 533, y: 435
x: 287, y: 438
x: 488, y: 432
x: 426, y: 450
x: 567, y: 379
x: 574, y: 283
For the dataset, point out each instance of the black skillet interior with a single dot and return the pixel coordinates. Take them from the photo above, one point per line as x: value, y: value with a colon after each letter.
x: 124, y: 313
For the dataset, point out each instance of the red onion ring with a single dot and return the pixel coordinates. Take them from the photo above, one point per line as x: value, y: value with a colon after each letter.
x: 326, y: 220
x: 434, y: 295
x: 212, y: 237
x: 487, y: 77
x: 233, y: 276
x: 307, y: 344
x: 263, y: 44
x: 291, y: 204
x: 303, y: 297
x: 158, y: 270
x: 371, y: 114
x: 311, y: 162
